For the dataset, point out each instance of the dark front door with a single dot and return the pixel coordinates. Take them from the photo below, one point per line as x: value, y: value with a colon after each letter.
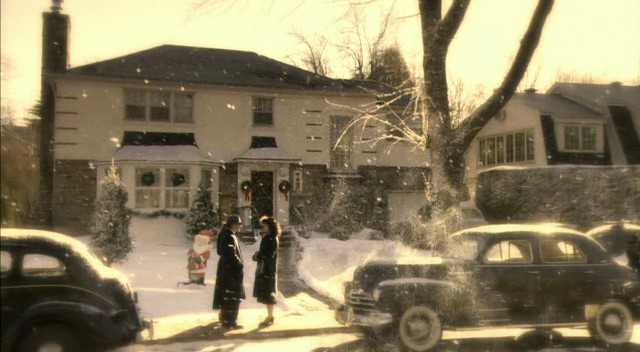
x: 262, y: 194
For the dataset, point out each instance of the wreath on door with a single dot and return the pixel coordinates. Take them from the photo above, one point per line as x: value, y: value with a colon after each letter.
x: 285, y: 188
x: 246, y: 189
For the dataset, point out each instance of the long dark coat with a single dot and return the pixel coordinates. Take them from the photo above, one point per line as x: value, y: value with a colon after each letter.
x: 265, y: 286
x: 229, y: 274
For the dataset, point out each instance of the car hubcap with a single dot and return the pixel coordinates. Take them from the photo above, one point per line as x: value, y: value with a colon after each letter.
x: 419, y: 329
x: 51, y: 347
x: 612, y: 323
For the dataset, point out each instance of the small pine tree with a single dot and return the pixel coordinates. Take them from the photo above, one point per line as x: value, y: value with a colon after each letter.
x: 110, y: 233
x: 201, y: 215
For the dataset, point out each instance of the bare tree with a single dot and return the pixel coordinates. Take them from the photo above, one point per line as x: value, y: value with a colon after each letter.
x: 357, y: 46
x: 314, y: 57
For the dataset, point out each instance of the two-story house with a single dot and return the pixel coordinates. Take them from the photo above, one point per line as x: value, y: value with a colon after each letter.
x: 257, y: 131
x: 571, y: 124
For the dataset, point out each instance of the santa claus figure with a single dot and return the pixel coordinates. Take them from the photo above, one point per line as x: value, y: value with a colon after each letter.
x: 197, y: 257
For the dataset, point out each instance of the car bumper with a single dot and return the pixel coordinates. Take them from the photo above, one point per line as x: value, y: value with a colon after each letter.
x: 345, y: 315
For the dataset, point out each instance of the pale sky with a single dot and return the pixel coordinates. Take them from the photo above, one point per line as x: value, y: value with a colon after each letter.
x: 585, y: 37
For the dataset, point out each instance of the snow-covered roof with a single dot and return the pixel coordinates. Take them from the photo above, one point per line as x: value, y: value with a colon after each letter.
x: 165, y: 154
x: 266, y: 154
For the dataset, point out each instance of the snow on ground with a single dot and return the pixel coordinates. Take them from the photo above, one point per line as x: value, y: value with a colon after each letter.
x: 158, y: 263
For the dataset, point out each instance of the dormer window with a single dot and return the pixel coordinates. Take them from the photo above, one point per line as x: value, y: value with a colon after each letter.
x: 579, y: 138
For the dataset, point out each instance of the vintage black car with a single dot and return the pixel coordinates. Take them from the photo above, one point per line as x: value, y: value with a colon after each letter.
x: 536, y: 276
x: 57, y: 295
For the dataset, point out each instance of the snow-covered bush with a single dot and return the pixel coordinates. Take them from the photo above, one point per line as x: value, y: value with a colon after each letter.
x: 201, y: 215
x: 110, y: 232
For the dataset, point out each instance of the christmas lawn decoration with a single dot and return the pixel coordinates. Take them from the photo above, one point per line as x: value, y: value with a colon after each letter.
x: 197, y: 258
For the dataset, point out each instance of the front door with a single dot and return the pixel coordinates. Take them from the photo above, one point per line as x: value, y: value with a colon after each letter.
x: 262, y: 194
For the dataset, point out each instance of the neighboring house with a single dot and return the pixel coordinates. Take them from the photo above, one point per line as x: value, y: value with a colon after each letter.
x: 576, y: 124
x: 258, y: 132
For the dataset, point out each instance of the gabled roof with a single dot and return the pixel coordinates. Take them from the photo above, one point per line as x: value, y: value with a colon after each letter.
x: 556, y: 105
x: 600, y: 95
x: 184, y: 64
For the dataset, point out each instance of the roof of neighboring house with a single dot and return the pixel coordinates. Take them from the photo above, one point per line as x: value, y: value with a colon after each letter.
x: 599, y: 96
x: 210, y: 66
x: 556, y: 105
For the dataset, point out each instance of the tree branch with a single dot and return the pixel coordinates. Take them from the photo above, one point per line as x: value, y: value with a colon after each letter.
x: 448, y: 26
x: 501, y: 96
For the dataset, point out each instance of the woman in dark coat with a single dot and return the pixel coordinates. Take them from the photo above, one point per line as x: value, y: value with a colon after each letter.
x: 265, y: 286
x: 229, y: 290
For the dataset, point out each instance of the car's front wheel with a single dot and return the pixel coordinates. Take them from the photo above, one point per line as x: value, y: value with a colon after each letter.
x: 419, y: 329
x: 51, y: 338
x: 612, y: 324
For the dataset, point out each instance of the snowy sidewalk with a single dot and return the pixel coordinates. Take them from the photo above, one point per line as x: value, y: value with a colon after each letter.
x: 205, y: 327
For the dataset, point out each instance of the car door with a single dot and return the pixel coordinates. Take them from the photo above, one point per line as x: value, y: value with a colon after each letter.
x: 508, y: 282
x: 566, y: 277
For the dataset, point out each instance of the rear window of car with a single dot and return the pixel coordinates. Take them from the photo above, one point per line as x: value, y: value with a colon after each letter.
x: 6, y: 262
x: 42, y: 265
x: 560, y: 251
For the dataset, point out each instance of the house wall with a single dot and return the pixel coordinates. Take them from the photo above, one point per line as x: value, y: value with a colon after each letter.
x: 74, y: 195
x: 90, y: 124
x: 518, y: 117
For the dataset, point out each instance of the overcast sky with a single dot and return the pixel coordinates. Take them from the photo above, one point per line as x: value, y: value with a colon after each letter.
x: 585, y: 37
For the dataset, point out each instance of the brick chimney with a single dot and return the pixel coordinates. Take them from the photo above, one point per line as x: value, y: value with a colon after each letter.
x: 55, y: 58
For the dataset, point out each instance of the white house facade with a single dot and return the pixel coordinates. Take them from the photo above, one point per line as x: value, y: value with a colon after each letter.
x: 257, y: 132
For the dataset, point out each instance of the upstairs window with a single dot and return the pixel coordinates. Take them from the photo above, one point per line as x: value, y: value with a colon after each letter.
x: 158, y: 106
x: 262, y: 111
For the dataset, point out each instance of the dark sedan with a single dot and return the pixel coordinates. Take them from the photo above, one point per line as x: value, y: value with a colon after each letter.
x: 536, y: 276
x: 57, y: 295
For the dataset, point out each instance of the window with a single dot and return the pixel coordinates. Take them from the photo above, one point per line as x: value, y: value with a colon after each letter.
x: 297, y: 181
x: 503, y: 149
x: 177, y: 188
x: 162, y: 188
x: 558, y: 251
x: 135, y: 103
x: 580, y: 138
x: 6, y: 262
x: 158, y: 106
x: 262, y: 111
x: 509, y: 252
x: 147, y: 188
x: 41, y: 265
x: 341, y: 153
x: 206, y: 180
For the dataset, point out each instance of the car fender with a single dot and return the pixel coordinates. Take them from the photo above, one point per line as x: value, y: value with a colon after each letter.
x: 452, y: 302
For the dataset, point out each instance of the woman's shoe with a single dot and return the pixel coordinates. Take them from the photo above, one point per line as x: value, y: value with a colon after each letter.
x: 267, y: 322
